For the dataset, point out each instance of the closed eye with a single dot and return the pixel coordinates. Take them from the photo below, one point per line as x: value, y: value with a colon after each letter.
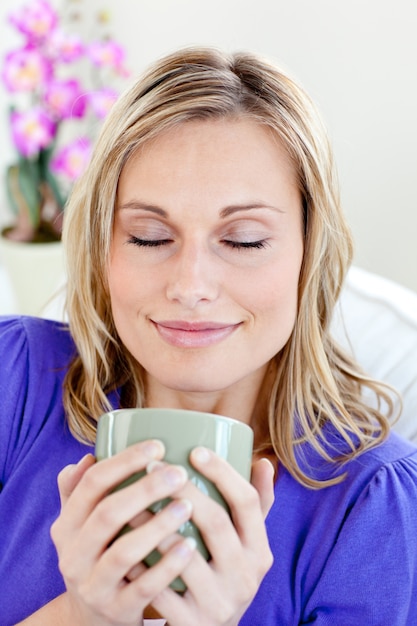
x: 148, y: 243
x: 261, y: 243
x: 236, y: 245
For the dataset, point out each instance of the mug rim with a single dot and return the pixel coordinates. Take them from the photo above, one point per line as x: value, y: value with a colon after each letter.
x: 187, y: 412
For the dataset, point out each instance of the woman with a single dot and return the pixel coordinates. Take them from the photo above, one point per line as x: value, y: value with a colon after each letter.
x: 206, y: 250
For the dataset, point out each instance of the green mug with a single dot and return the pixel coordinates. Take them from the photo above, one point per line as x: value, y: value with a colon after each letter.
x: 180, y: 431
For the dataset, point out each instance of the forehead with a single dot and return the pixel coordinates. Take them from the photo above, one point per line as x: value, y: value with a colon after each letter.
x: 225, y: 148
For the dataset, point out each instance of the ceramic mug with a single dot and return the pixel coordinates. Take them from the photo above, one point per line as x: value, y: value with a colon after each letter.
x: 180, y: 431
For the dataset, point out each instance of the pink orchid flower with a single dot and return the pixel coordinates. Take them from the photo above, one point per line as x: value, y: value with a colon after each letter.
x: 65, y: 99
x: 25, y: 69
x: 107, y: 54
x: 102, y: 101
x: 65, y: 47
x: 35, y: 20
x: 32, y: 131
x: 72, y: 160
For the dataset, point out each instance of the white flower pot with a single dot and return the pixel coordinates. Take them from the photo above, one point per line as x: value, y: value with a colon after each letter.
x: 36, y: 273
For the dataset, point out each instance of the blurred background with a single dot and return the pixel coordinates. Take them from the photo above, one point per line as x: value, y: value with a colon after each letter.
x: 357, y: 59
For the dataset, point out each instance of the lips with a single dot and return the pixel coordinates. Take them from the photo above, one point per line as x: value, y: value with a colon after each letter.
x: 200, y: 334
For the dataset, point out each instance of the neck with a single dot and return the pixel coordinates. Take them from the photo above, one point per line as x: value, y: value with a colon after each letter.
x: 242, y: 401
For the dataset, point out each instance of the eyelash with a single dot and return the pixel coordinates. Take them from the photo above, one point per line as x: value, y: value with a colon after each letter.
x: 242, y: 245
x: 236, y: 245
x: 148, y: 243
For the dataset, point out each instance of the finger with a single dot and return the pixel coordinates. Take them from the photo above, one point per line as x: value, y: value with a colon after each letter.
x: 210, y: 597
x: 94, y: 484
x: 135, y: 545
x: 91, y: 542
x: 135, y: 571
x: 235, y: 489
x: 262, y: 479
x: 242, y: 497
x: 117, y: 509
x: 102, y: 477
x: 163, y: 547
x: 71, y: 475
x: 154, y: 582
x: 117, y: 564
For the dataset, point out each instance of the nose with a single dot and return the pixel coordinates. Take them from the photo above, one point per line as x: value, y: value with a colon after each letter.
x: 192, y: 275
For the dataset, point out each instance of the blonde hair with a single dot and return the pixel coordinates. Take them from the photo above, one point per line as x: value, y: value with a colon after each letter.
x: 315, y: 382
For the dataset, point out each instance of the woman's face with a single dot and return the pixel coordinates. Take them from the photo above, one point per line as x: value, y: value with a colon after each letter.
x: 206, y: 254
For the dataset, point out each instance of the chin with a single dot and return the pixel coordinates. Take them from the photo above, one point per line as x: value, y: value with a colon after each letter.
x: 202, y: 383
x: 194, y: 386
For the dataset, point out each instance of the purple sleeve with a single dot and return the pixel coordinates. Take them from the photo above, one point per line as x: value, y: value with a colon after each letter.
x: 13, y: 390
x: 35, y: 444
x: 34, y: 354
x: 371, y: 574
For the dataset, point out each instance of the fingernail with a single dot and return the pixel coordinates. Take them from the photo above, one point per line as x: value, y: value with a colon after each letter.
x: 267, y: 462
x: 175, y: 475
x: 153, y: 466
x: 153, y: 448
x: 186, y: 547
x: 84, y: 458
x: 181, y: 509
x: 80, y: 463
x: 200, y: 454
x: 69, y: 470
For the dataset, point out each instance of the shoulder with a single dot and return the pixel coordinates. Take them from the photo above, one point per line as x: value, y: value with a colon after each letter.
x: 34, y: 358
x: 395, y: 457
x: 360, y: 469
x: 389, y: 489
x: 376, y: 539
x: 394, y: 448
x: 376, y: 487
x: 366, y: 524
x: 30, y: 343
x: 36, y: 332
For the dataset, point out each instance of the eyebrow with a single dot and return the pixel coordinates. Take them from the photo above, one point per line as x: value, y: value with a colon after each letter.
x: 143, y: 206
x: 229, y: 210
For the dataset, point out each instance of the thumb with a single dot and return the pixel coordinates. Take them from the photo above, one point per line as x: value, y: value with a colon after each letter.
x: 70, y: 476
x: 263, y: 480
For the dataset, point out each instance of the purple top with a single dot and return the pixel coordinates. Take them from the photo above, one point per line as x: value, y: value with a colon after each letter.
x: 344, y: 555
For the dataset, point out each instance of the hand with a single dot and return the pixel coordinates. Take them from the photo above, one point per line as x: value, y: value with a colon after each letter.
x: 220, y: 591
x: 94, y: 566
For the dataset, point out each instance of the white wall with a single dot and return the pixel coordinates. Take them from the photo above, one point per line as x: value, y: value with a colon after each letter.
x: 358, y: 59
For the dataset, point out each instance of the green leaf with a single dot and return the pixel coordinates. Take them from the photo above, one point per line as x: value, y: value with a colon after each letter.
x: 22, y: 180
x: 47, y: 176
x: 12, y: 188
x: 22, y: 184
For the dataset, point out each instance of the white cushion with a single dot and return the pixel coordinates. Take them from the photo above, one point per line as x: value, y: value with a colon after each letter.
x: 376, y: 319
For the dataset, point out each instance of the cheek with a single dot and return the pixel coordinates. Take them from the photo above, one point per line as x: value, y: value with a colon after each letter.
x: 119, y: 281
x: 129, y: 284
x: 278, y: 304
x: 275, y: 304
x: 276, y: 287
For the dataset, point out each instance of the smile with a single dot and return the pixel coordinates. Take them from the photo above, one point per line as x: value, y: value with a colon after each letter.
x: 194, y: 334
